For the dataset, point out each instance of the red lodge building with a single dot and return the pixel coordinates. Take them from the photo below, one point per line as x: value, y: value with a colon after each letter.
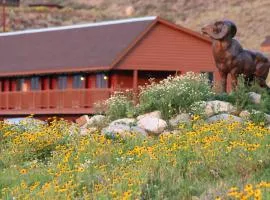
x: 65, y: 70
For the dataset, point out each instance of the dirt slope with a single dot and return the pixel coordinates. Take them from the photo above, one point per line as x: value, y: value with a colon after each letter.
x: 251, y: 16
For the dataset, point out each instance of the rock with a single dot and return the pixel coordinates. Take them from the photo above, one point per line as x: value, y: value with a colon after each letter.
x: 123, y: 130
x: 181, y: 118
x: 214, y: 107
x: 155, y: 114
x: 125, y: 121
x: 255, y: 97
x: 96, y: 120
x: 87, y: 131
x: 224, y: 117
x: 83, y: 120
x: 136, y: 129
x: 152, y: 124
x: 268, y: 127
x: 115, y: 129
x: 244, y: 114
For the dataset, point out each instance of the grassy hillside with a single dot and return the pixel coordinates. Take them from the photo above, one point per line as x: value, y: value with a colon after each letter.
x: 251, y: 16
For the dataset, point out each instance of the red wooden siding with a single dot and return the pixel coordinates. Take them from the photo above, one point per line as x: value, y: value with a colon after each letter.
x: 165, y: 48
x: 124, y: 79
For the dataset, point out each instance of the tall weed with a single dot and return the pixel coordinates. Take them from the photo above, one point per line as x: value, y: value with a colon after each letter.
x: 174, y: 94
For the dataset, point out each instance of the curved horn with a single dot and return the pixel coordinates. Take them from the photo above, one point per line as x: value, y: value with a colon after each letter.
x: 222, y: 33
x: 233, y: 28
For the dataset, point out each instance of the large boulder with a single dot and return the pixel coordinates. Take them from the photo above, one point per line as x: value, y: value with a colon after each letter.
x: 123, y: 130
x: 82, y: 120
x: 96, y: 120
x: 155, y: 114
x: 113, y: 130
x: 152, y: 124
x: 181, y: 118
x: 224, y: 117
x: 245, y: 114
x: 125, y: 121
x: 255, y: 97
x: 214, y: 107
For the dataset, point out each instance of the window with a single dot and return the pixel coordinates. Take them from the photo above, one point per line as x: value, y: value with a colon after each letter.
x: 35, y: 83
x: 78, y: 81
x: 20, y: 84
x: 102, y: 80
x: 210, y: 76
x: 62, y: 82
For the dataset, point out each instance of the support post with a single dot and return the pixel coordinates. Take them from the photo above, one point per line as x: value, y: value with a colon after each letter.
x: 6, y: 85
x: 46, y: 83
x: 91, y: 81
x: 135, y: 85
x: 13, y: 85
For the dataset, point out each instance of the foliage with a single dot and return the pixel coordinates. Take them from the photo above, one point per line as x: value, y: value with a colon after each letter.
x: 119, y: 105
x: 222, y: 161
x: 174, y: 94
x: 239, y: 97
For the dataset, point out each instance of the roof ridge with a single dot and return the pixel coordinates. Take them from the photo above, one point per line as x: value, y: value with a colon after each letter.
x: 93, y: 24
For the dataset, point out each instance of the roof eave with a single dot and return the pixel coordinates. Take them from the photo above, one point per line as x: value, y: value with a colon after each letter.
x: 53, y: 71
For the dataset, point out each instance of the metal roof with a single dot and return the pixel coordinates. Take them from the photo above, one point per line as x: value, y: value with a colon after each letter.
x: 79, y: 26
x: 68, y: 48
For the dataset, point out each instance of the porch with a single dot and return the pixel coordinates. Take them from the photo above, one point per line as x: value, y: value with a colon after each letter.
x: 69, y: 101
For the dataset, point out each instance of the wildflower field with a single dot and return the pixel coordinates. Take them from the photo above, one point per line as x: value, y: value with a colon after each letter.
x: 200, y: 161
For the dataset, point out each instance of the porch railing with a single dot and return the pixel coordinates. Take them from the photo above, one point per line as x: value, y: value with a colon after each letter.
x: 71, y: 99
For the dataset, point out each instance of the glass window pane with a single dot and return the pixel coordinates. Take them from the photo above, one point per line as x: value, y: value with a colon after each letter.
x: 78, y: 81
x: 101, y: 80
x: 62, y: 82
x: 20, y: 83
x: 35, y: 83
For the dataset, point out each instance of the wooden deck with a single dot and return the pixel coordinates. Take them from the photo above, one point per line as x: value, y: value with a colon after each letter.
x: 69, y: 101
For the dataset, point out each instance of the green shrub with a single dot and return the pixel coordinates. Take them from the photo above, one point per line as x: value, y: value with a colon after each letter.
x: 174, y: 94
x: 119, y: 105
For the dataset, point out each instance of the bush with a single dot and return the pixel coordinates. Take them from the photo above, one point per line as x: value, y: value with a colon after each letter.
x: 240, y: 97
x: 119, y: 105
x: 174, y: 94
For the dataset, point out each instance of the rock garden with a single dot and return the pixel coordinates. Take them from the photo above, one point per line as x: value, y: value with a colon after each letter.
x: 179, y: 139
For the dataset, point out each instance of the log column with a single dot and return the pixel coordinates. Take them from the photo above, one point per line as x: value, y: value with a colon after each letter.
x: 54, y: 83
x: 135, y: 80
x: 1, y: 85
x: 6, y: 85
x: 46, y: 83
x: 13, y: 85
x: 113, y: 81
x: 91, y: 81
x: 135, y: 85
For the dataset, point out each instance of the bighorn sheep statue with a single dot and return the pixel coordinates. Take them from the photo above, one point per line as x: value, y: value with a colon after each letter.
x: 231, y: 58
